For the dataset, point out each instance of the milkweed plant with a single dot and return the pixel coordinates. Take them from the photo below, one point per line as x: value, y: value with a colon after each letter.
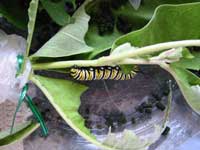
x: 165, y: 34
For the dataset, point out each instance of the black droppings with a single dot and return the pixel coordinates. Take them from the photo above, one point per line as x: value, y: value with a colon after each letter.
x: 122, y: 119
x: 146, y: 105
x: 123, y: 25
x: 103, y: 18
x: 88, y: 124
x: 133, y: 121
x: 140, y: 109
x: 166, y: 131
x: 157, y: 96
x: 160, y: 106
x: 148, y: 110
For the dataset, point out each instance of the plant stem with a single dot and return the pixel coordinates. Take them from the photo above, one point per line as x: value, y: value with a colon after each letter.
x: 121, y: 58
x: 140, y: 61
x: 86, y: 63
x: 151, y: 49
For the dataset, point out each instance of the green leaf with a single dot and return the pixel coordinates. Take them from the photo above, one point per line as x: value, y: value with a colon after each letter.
x: 14, y: 12
x: 69, y: 40
x: 189, y: 85
x: 128, y: 140
x: 57, y: 11
x: 189, y: 63
x: 169, y: 23
x: 146, y: 10
x: 65, y: 97
x: 127, y: 68
x: 32, y: 13
x: 20, y: 132
x: 187, y: 54
x: 99, y: 43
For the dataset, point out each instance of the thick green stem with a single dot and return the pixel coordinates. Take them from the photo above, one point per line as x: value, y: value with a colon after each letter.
x: 65, y: 64
x: 140, y: 61
x: 151, y: 49
x: 121, y: 58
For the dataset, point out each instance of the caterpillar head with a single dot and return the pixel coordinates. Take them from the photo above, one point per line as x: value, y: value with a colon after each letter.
x: 74, y: 70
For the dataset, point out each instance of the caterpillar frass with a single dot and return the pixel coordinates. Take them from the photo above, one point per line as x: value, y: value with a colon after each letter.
x: 101, y: 73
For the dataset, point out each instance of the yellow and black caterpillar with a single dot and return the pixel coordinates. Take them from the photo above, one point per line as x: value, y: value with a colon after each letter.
x: 101, y: 73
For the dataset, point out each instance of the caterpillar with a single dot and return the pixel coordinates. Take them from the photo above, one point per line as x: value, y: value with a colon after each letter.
x: 101, y: 73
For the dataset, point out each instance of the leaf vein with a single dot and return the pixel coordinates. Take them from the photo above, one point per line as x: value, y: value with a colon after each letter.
x: 73, y: 37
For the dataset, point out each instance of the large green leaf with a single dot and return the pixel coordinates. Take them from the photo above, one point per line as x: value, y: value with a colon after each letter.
x: 19, y: 132
x: 169, y: 23
x: 189, y: 85
x: 57, y: 11
x: 65, y: 95
x: 14, y: 12
x: 69, y: 40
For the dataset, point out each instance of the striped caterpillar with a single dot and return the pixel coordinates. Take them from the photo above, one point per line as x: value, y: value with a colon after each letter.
x: 101, y: 73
